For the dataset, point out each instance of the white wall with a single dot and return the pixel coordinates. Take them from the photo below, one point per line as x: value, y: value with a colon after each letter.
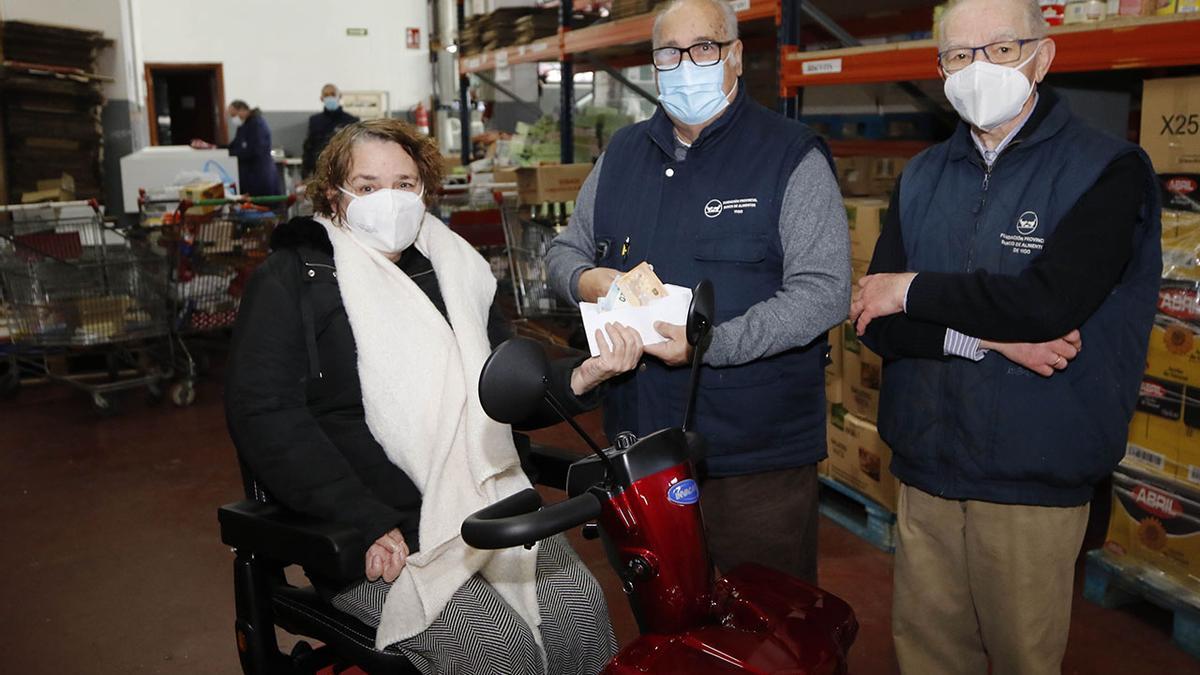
x: 276, y: 55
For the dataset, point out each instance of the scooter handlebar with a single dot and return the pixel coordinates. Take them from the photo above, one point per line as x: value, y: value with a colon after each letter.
x: 518, y: 520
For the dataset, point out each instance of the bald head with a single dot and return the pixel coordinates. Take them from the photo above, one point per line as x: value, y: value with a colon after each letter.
x: 330, y: 90
x: 974, y: 23
x: 715, y: 18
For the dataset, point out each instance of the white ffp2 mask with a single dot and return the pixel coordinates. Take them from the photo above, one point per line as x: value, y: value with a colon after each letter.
x: 987, y: 95
x: 386, y: 220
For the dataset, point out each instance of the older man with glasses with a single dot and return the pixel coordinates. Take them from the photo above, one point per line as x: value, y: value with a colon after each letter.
x: 1007, y: 249
x: 715, y: 186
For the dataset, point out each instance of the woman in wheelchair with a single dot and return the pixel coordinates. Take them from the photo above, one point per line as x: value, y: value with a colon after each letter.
x: 352, y: 396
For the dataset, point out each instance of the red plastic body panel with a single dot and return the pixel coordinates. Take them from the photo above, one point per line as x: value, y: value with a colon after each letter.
x: 676, y: 594
x: 764, y: 622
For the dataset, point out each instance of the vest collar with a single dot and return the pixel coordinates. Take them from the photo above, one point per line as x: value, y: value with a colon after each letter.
x: 662, y: 131
x: 1049, y: 117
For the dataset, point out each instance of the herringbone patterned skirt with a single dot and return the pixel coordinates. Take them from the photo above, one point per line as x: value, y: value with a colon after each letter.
x: 479, y: 634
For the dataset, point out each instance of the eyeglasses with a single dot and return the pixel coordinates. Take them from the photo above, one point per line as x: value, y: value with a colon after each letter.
x: 707, y: 53
x: 999, y: 53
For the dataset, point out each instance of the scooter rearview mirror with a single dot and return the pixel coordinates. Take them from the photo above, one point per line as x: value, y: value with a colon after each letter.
x: 513, y: 385
x: 513, y: 380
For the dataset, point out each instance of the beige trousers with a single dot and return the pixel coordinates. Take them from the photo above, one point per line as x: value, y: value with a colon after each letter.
x: 979, y: 583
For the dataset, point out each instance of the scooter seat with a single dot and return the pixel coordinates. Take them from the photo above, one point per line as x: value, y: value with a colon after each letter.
x: 302, y: 611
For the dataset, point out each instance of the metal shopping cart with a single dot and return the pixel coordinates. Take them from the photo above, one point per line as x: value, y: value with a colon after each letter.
x: 211, y: 247
x: 527, y: 243
x: 75, y: 285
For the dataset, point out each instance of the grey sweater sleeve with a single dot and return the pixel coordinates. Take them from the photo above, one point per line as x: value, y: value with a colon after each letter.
x: 574, y: 251
x: 815, y: 294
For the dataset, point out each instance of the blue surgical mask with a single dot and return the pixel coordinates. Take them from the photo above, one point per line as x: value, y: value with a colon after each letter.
x: 693, y: 94
x: 331, y: 103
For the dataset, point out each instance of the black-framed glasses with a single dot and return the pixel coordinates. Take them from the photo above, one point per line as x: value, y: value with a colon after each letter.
x: 707, y: 53
x: 1000, y: 53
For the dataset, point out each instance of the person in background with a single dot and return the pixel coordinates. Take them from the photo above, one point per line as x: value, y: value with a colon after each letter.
x: 1011, y: 296
x: 714, y: 186
x: 251, y: 144
x: 323, y: 125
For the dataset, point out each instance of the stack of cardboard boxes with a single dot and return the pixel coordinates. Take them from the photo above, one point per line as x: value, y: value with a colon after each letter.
x: 1156, y: 490
x: 858, y: 457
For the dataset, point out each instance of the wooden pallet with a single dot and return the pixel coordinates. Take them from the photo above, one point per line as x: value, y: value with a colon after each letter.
x: 858, y: 513
x: 1113, y: 583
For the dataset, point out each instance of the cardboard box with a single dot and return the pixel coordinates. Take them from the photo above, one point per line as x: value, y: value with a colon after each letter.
x: 1137, y: 7
x: 551, y: 182
x: 859, y: 458
x: 865, y: 217
x: 1156, y: 430
x: 835, y: 350
x: 1170, y: 130
x: 854, y: 175
x: 858, y: 270
x: 833, y: 388
x: 199, y: 191
x: 1155, y: 521
x: 1177, y: 6
x: 862, y: 374
x: 885, y: 171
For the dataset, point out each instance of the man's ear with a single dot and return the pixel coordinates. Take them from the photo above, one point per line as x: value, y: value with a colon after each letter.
x: 1045, y: 58
x: 735, y: 53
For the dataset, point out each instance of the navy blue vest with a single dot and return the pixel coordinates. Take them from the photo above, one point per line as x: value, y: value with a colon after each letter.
x: 993, y: 430
x: 714, y: 216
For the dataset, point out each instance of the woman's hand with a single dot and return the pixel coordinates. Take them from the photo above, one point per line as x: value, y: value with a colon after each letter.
x: 622, y: 357
x: 1043, y: 358
x: 386, y: 557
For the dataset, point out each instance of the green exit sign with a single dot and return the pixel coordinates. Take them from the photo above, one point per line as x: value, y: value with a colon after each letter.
x: 356, y: 32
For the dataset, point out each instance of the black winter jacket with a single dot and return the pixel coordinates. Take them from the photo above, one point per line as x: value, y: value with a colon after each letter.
x: 321, y: 128
x: 296, y: 415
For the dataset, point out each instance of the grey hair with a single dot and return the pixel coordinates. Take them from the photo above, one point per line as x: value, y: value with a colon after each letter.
x: 728, y: 16
x: 1030, y: 9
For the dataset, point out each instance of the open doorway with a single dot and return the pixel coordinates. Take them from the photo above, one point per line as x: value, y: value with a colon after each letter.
x: 186, y: 101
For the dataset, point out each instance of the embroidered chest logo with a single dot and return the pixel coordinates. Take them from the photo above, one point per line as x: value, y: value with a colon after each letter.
x: 715, y: 207
x: 1023, y: 243
x: 1027, y: 222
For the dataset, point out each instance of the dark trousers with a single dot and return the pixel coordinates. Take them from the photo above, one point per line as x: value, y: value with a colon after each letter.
x: 768, y: 518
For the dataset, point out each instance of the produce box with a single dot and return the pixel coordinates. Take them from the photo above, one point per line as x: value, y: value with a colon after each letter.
x: 1165, y: 427
x: 551, y: 182
x: 865, y: 217
x: 862, y: 373
x: 859, y: 458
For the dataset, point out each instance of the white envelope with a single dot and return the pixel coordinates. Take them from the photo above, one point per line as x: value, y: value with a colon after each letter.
x: 671, y: 309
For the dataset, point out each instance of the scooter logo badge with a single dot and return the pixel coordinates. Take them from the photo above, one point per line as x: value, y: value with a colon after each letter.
x: 684, y: 492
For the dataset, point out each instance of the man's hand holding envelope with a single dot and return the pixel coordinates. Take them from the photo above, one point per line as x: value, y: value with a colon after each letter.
x: 658, y: 312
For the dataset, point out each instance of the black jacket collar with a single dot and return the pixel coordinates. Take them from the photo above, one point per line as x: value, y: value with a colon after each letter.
x: 301, y: 233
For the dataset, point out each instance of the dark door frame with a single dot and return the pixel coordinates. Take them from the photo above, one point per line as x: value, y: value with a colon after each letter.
x: 152, y: 114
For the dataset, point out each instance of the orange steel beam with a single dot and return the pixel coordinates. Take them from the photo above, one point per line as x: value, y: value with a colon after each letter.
x: 1146, y: 43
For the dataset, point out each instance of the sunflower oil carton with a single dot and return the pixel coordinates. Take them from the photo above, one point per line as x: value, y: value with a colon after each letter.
x: 1156, y: 521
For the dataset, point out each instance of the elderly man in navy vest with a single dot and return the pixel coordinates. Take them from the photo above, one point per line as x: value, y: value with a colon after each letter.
x: 715, y: 186
x: 1011, y: 296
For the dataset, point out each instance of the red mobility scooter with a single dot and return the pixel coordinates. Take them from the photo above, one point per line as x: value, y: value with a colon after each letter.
x: 644, y: 499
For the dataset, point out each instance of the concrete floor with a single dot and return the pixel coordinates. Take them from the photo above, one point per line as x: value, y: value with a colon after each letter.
x: 112, y: 561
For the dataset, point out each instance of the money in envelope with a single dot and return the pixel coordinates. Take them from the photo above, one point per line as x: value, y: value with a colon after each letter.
x: 636, y: 299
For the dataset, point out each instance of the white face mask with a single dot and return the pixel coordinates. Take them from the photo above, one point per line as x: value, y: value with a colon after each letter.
x: 235, y: 122
x: 386, y: 220
x: 987, y: 95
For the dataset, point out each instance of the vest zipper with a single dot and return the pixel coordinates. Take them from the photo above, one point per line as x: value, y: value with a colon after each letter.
x: 987, y: 179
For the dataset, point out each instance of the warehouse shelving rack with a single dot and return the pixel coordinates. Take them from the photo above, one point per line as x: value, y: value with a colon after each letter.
x: 607, y: 45
x: 1121, y: 44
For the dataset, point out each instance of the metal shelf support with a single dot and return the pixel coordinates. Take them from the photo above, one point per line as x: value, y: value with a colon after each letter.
x: 566, y: 119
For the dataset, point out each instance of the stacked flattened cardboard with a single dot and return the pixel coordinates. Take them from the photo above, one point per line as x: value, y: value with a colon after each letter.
x: 626, y: 8
x: 51, y: 101
x: 535, y: 25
